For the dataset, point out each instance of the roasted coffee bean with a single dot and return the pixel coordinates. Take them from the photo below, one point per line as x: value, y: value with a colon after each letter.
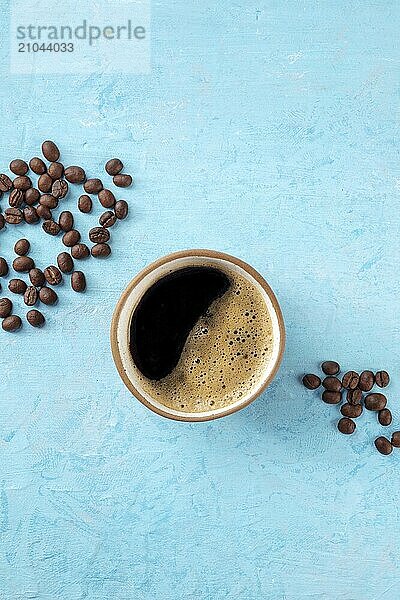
x: 22, y: 182
x: 71, y: 238
x: 99, y: 235
x: 354, y: 396
x: 382, y: 379
x: 16, y: 198
x: 65, y: 262
x: 101, y: 250
x: 396, y: 439
x: 351, y: 410
x: 5, y: 183
x: 48, y: 296
x: 367, y: 381
x: 107, y: 219
x: 383, y: 445
x: 50, y: 151
x: 56, y: 170
x: 375, y: 401
x: 122, y: 180
x: 30, y: 296
x: 37, y: 277
x: 350, y: 380
x: 32, y: 196
x: 52, y: 275
x: 48, y: 200
x: 80, y: 251
x: 93, y: 186
x: 332, y: 384
x: 85, y: 203
x: 37, y: 165
x: 114, y: 166
x: 75, y: 174
x: 19, y: 167
x: 3, y: 267
x: 5, y: 307
x: 17, y: 286
x: 66, y: 220
x: 331, y: 397
x: 106, y: 198
x: 13, y: 216
x: 2, y: 222
x: 22, y: 247
x: 330, y: 367
x: 121, y: 209
x: 51, y: 227
x: 59, y: 188
x: 35, y: 318
x: 43, y: 212
x: 346, y: 426
x: 385, y: 417
x: 23, y: 264
x: 78, y: 281
x: 45, y: 183
x: 11, y: 323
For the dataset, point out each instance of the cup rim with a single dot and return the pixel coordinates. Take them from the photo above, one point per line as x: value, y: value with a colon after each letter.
x: 215, y: 254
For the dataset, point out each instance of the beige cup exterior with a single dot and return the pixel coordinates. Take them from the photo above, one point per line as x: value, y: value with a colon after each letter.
x: 120, y: 328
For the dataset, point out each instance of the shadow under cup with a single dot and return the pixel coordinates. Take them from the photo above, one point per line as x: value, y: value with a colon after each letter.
x: 121, y: 323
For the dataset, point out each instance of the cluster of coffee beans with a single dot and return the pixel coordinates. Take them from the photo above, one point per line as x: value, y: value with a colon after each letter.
x: 357, y: 389
x: 31, y: 205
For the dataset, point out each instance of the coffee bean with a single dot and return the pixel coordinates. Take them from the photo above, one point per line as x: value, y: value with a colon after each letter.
x: 43, y: 212
x: 37, y: 165
x: 3, y: 267
x: 23, y: 264
x: 51, y: 227
x: 22, y: 247
x: 35, y: 318
x: 32, y: 196
x: 80, y: 251
x: 78, y: 281
x: 13, y: 216
x: 5, y: 307
x: 346, y: 426
x: 37, y: 277
x: 2, y: 222
x: 101, y: 250
x: 121, y: 209
x: 65, y: 262
x: 330, y: 367
x: 22, y: 182
x: 99, y: 235
x: 382, y: 379
x: 114, y: 166
x: 11, y: 323
x: 45, y: 183
x: 56, y: 170
x: 52, y: 275
x: 85, y: 203
x: 385, y: 417
x: 70, y: 238
x: 366, y: 382
x: 75, y: 174
x: 48, y: 296
x: 396, y: 439
x: 383, y: 445
x: 50, y: 151
x: 354, y: 396
x: 66, y: 220
x: 30, y: 296
x: 350, y: 380
x: 17, y: 286
x: 19, y: 167
x: 5, y: 183
x: 332, y: 384
x: 106, y: 198
x: 48, y: 200
x: 59, y: 188
x: 375, y: 401
x: 93, y: 186
x: 122, y: 180
x: 351, y: 410
x: 331, y: 397
x: 16, y: 198
x: 107, y: 219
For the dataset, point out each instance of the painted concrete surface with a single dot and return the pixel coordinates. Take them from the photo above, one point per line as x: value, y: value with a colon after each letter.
x: 269, y: 130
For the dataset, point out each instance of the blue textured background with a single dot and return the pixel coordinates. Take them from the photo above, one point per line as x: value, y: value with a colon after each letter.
x: 269, y: 130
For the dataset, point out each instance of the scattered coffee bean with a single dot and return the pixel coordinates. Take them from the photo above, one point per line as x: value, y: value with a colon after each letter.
x: 85, y: 203
x: 17, y: 286
x: 48, y: 296
x: 346, y: 426
x: 37, y: 277
x: 71, y: 238
x: 16, y: 198
x: 50, y: 151
x: 19, y: 167
x: 22, y: 182
x: 78, y: 281
x: 99, y: 235
x: 375, y: 401
x: 366, y: 382
x: 65, y: 262
x: 45, y: 183
x: 23, y: 264
x: 106, y: 198
x: 13, y: 216
x: 332, y: 384
x: 351, y: 410
x: 80, y: 251
x: 43, y: 212
x: 382, y: 379
x: 37, y: 165
x: 30, y: 296
x: 32, y: 196
x: 5, y: 307
x: 331, y: 397
x: 22, y: 247
x: 35, y: 318
x: 2, y: 222
x: 3, y: 267
x: 101, y: 250
x: 114, y: 166
x: 59, y: 188
x: 330, y: 367
x: 107, y: 219
x: 93, y: 186
x: 354, y: 396
x: 48, y: 200
x: 121, y: 210
x: 75, y: 174
x: 122, y: 180
x: 383, y: 445
x: 396, y: 439
x: 5, y: 183
x: 11, y: 323
x: 66, y: 220
x: 311, y: 382
x: 51, y: 227
x: 52, y: 275
x: 350, y: 380
x: 56, y: 170
x: 385, y: 417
